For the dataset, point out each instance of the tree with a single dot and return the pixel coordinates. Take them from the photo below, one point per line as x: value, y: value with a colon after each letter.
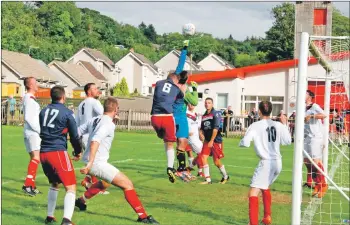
x: 242, y: 60
x: 150, y: 33
x: 142, y: 27
x: 340, y: 24
x: 124, y: 90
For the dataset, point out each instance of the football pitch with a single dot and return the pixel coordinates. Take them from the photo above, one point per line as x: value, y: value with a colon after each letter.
x: 141, y: 157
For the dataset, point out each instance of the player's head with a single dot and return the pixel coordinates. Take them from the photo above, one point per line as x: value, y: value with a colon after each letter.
x: 183, y: 77
x: 208, y: 103
x: 190, y: 107
x: 110, y: 106
x: 309, y: 96
x: 91, y: 90
x: 265, y: 108
x: 58, y: 94
x: 30, y: 84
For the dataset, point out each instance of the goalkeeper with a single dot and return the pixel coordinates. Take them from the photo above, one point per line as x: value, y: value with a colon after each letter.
x: 180, y: 107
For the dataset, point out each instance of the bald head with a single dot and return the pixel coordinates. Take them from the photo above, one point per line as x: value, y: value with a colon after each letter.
x: 30, y: 84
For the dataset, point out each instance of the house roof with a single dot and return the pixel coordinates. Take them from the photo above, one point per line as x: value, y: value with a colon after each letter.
x: 145, y: 60
x: 243, y: 72
x: 178, y: 53
x: 93, y: 70
x: 99, y: 55
x: 221, y: 60
x: 77, y: 73
x: 25, y: 66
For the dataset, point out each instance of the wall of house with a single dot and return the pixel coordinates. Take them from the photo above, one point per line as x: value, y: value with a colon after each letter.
x: 138, y: 77
x: 211, y: 64
x: 65, y: 79
x: 169, y: 63
x: 149, y: 77
x: 9, y: 76
x: 127, y: 66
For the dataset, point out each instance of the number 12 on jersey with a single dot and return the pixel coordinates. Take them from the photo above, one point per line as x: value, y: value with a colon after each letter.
x: 53, y: 114
x: 271, y: 133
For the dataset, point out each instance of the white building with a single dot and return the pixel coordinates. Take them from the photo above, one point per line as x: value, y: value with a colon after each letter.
x: 169, y: 62
x: 139, y: 72
x: 214, y: 62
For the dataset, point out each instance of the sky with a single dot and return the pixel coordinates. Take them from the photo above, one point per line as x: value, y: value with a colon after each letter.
x: 241, y: 19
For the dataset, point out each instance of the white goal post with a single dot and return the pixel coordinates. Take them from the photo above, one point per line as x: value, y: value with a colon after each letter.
x: 331, y: 55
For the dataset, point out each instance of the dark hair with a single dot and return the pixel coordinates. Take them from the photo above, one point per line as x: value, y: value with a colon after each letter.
x: 209, y: 99
x: 265, y: 108
x: 57, y: 93
x: 312, y: 95
x: 87, y: 87
x: 26, y: 82
x: 183, y: 77
x: 110, y: 104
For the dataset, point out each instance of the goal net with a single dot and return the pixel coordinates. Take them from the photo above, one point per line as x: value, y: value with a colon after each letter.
x: 323, y: 69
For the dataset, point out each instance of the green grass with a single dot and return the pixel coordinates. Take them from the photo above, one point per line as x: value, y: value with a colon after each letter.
x: 142, y: 158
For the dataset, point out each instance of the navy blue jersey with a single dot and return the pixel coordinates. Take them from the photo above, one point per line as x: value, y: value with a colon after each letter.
x: 165, y: 94
x: 211, y: 121
x: 56, y: 121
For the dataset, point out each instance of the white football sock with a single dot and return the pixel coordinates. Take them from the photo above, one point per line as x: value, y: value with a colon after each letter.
x: 69, y: 204
x: 51, y: 201
x: 206, y: 173
x: 200, y: 170
x: 190, y: 161
x: 170, y: 154
x: 223, y: 171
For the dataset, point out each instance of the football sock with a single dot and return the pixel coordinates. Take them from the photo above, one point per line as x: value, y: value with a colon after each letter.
x: 31, y: 173
x: 69, y: 204
x: 190, y: 161
x: 181, y: 157
x: 321, y: 179
x: 206, y: 173
x: 133, y: 200
x: 254, y: 210
x: 94, y: 179
x: 223, y: 171
x: 92, y: 191
x: 51, y: 201
x: 266, y: 196
x: 170, y: 153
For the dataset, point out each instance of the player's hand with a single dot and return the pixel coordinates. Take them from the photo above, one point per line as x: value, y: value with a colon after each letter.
x: 210, y: 144
x: 86, y: 169
x: 76, y: 157
x: 190, y: 134
x: 186, y: 43
x: 307, y: 118
x: 283, y: 119
x: 201, y: 136
x: 194, y: 85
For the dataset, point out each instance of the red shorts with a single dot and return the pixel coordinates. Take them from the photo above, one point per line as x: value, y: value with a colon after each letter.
x: 58, y: 167
x: 188, y: 148
x: 165, y: 127
x: 217, y: 151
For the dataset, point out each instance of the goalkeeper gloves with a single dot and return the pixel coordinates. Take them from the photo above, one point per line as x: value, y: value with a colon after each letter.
x: 186, y: 43
x: 194, y: 85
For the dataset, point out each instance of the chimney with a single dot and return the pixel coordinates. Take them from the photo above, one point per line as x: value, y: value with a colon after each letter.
x: 131, y: 49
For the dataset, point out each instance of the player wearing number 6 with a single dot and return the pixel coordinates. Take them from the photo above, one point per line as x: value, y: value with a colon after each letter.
x: 56, y: 121
x: 267, y: 135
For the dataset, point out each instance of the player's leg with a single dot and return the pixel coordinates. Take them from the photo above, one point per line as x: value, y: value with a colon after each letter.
x: 167, y: 125
x: 32, y: 144
x: 321, y: 186
x: 197, y: 146
x: 218, y: 154
x: 69, y: 204
x: 253, y: 206
x: 190, y: 156
x: 204, y: 156
x: 310, y: 168
x: 182, y: 133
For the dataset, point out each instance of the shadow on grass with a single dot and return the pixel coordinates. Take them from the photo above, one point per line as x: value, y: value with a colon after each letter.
x: 106, y: 215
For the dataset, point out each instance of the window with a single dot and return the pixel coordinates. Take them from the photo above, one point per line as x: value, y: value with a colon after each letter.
x: 263, y: 98
x: 276, y: 109
x: 249, y: 107
x: 253, y: 102
x: 17, y: 90
x: 150, y: 90
x: 277, y: 99
x: 222, y: 101
x: 250, y: 98
x: 200, y: 95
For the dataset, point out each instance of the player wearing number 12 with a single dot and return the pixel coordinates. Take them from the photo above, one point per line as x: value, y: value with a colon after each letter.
x: 56, y: 121
x: 267, y: 135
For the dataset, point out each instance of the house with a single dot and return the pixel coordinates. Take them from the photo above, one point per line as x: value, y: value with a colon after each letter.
x: 16, y: 66
x: 139, y: 72
x: 75, y: 75
x: 99, y: 61
x: 169, y: 62
x: 214, y: 62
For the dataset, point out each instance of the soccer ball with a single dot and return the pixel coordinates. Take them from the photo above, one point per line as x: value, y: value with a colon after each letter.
x: 189, y: 29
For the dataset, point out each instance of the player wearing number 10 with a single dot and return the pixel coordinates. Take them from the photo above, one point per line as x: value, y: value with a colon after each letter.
x: 267, y: 136
x: 56, y: 121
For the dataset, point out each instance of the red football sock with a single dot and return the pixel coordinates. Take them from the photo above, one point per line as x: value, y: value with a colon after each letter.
x: 134, y: 201
x: 93, y: 190
x: 266, y: 196
x: 31, y: 173
x: 198, y: 161
x: 321, y: 179
x: 254, y: 210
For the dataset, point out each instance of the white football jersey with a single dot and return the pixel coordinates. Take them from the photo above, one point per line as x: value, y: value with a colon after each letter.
x: 100, y: 129
x: 314, y: 127
x: 267, y: 135
x: 88, y: 109
x: 194, y: 123
x: 31, y: 111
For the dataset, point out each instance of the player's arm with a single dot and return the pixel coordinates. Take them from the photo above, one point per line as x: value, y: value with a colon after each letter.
x: 31, y: 116
x: 217, y: 119
x: 74, y: 135
x: 318, y: 115
x: 84, y: 128
x: 182, y: 59
x: 192, y: 96
x: 98, y: 108
x: 248, y: 137
x: 286, y: 138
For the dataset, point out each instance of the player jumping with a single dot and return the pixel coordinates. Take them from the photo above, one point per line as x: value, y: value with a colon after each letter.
x: 101, y: 133
x: 210, y: 133
x: 56, y: 121
x: 267, y: 135
x: 31, y: 134
x: 194, y: 142
x: 313, y: 145
x: 87, y: 109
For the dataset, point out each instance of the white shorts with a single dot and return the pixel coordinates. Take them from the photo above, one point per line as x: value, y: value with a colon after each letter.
x: 266, y: 173
x: 104, y: 170
x: 314, y: 147
x: 196, y: 145
x: 32, y: 143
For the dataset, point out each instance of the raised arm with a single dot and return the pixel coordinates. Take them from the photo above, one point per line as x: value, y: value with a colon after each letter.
x: 182, y: 59
x: 286, y: 138
x: 248, y: 137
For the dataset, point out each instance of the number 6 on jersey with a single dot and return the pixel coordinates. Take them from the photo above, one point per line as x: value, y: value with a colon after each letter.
x: 167, y: 88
